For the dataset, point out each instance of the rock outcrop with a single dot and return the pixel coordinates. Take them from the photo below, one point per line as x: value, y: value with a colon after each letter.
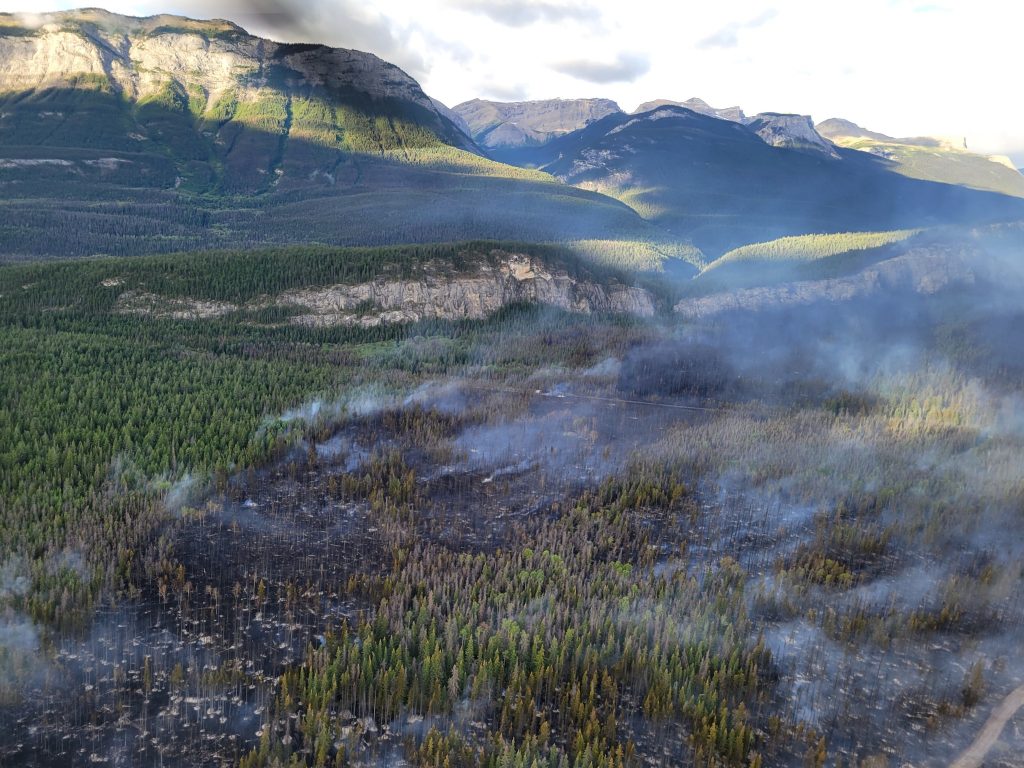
x: 791, y: 132
x: 433, y: 294
x: 207, y: 64
x: 518, y: 278
x: 924, y: 270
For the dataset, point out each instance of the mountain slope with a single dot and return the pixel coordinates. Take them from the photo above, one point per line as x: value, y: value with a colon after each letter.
x: 501, y: 125
x: 735, y: 114
x: 121, y: 135
x: 720, y: 184
x: 207, y: 92
x: 929, y: 159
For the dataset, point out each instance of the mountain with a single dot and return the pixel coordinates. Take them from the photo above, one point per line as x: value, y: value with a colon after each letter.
x: 931, y: 159
x: 452, y: 115
x: 503, y: 129
x: 721, y: 185
x: 835, y: 128
x: 500, y: 125
x: 735, y: 114
x: 124, y: 135
x: 791, y: 132
x: 774, y: 128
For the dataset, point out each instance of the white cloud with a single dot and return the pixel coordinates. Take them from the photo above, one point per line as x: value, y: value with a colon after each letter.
x: 625, y: 68
x: 903, y: 67
x: 728, y: 36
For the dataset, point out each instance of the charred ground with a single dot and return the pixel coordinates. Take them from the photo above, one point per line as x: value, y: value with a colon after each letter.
x: 778, y: 538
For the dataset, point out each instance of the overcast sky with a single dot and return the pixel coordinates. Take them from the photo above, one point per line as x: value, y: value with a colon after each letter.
x: 903, y: 67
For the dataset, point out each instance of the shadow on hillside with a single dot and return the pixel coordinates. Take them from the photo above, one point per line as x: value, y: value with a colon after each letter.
x: 85, y: 172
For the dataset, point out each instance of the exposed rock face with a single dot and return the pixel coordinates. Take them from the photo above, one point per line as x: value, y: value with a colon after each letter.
x: 519, y: 278
x: 436, y: 294
x: 496, y: 124
x: 169, y: 308
x: 734, y: 114
x: 924, y: 270
x: 203, y: 61
x: 790, y: 131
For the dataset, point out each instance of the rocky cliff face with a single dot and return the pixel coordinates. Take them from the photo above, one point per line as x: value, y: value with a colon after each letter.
x: 141, y: 57
x: 198, y: 92
x: 518, y: 279
x: 924, y: 270
x: 791, y: 132
x: 433, y: 294
x: 530, y: 123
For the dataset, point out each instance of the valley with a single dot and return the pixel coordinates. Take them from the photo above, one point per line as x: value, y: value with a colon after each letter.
x: 339, y: 427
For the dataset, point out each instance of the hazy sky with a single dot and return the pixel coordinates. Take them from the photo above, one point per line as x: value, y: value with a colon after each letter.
x: 903, y: 67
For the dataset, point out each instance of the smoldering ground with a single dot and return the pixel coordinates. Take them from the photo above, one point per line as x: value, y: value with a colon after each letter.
x: 872, y: 531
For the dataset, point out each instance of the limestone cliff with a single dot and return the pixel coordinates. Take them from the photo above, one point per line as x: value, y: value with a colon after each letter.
x: 210, y: 65
x: 517, y: 279
x: 433, y: 293
x: 791, y: 132
x: 924, y: 270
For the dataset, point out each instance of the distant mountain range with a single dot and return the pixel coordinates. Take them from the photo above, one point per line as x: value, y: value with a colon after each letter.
x: 500, y: 127
x: 122, y: 135
x: 723, y: 183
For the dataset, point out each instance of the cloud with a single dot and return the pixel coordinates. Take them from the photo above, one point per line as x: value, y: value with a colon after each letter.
x: 523, y: 13
x: 625, y: 69
x: 503, y: 91
x: 728, y: 36
x: 339, y: 23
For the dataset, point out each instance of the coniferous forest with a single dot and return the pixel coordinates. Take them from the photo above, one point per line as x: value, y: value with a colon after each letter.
x: 341, y: 428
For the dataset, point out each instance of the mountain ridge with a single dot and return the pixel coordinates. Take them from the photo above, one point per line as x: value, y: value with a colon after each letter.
x: 121, y: 135
x: 501, y: 125
x: 722, y: 185
x: 735, y: 114
x: 166, y: 133
x: 929, y: 158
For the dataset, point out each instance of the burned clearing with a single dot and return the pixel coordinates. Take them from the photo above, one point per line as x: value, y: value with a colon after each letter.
x: 780, y: 538
x: 847, y: 636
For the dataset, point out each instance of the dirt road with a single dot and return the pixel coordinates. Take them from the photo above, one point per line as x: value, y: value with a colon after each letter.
x: 973, y: 756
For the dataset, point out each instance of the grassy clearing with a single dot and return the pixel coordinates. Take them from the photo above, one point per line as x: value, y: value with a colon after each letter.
x: 944, y: 165
x: 810, y: 247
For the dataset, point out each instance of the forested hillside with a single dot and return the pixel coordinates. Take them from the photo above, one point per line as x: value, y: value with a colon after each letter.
x: 717, y: 183
x: 124, y: 136
x: 125, y: 406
